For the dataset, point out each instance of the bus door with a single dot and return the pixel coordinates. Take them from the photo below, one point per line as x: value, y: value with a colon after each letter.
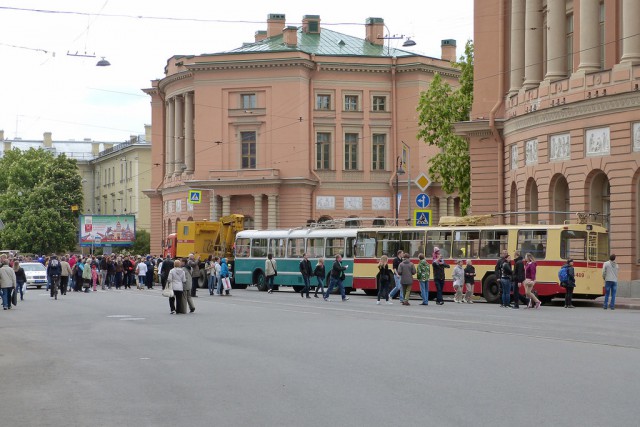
x: 440, y: 239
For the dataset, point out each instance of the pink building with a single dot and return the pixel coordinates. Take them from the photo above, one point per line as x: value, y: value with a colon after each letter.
x: 304, y: 124
x: 556, y: 116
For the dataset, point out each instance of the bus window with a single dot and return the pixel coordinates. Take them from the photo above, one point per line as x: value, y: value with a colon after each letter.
x: 573, y: 244
x: 412, y: 243
x: 493, y: 242
x: 335, y: 246
x: 365, y: 245
x: 242, y: 247
x: 388, y: 243
x: 278, y: 247
x: 532, y: 241
x: 351, y: 247
x: 259, y: 248
x: 466, y: 244
x: 315, y: 247
x: 603, y: 247
x: 441, y: 239
x: 296, y: 248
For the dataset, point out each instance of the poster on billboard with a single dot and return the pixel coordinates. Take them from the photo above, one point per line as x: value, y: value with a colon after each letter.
x: 107, y: 230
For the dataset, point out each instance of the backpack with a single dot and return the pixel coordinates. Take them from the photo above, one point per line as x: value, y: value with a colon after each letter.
x: 563, y: 274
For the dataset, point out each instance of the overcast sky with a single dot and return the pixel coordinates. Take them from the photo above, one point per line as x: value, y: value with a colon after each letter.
x: 45, y: 90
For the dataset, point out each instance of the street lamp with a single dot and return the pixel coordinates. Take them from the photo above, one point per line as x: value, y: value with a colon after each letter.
x: 399, y: 171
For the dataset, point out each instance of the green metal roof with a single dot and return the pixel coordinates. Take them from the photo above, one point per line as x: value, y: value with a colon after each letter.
x: 327, y: 42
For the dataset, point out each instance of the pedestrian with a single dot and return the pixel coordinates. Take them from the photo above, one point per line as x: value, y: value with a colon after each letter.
x: 337, y: 278
x: 21, y: 279
x: 141, y: 272
x: 111, y: 271
x: 320, y: 274
x: 505, y: 279
x: 167, y: 266
x: 438, y: 267
x: 530, y: 280
x: 95, y: 277
x: 194, y: 265
x: 518, y: 279
x: 7, y: 283
x: 224, y: 277
x: 103, y: 267
x: 383, y: 279
x: 498, y: 272
x: 65, y: 274
x: 54, y: 271
x: 396, y: 277
x: 469, y: 281
x: 569, y: 284
x: 187, y: 298
x: 406, y: 270
x: 150, y: 264
x: 306, y: 271
x: 610, y: 276
x: 211, y: 274
x: 423, y: 274
x: 128, y: 272
x: 458, y: 281
x: 270, y: 271
x: 176, y: 279
x: 218, y: 271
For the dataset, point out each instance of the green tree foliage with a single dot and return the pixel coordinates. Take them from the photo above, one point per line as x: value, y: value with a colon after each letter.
x: 142, y: 245
x: 37, y: 190
x: 439, y: 108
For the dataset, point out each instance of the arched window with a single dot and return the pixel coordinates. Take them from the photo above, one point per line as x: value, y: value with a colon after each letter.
x: 600, y: 191
x: 352, y: 223
x: 324, y: 218
x: 190, y: 218
x: 531, y: 200
x: 513, y: 200
x: 559, y: 199
x: 379, y: 222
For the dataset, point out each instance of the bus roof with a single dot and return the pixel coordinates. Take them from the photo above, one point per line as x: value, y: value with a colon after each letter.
x: 297, y: 232
x: 572, y: 226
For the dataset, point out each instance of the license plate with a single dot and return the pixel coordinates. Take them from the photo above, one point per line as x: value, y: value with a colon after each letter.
x: 41, y: 281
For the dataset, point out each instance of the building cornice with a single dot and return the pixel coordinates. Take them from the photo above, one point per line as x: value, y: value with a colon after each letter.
x: 212, y: 184
x: 250, y: 64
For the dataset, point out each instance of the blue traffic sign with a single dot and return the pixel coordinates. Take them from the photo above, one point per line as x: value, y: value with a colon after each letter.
x: 422, y: 217
x: 422, y: 200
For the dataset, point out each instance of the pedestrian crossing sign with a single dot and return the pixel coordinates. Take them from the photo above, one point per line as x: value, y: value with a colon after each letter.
x: 195, y: 196
x: 421, y: 217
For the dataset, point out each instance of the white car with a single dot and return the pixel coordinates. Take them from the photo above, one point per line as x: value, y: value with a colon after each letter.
x: 36, y: 274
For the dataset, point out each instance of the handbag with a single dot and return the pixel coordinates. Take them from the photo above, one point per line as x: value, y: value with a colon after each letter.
x: 226, y: 283
x: 14, y: 297
x: 275, y: 272
x: 167, y: 292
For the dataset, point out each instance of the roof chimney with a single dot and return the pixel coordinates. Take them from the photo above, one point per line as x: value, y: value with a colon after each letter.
x: 290, y: 35
x: 48, y: 142
x: 275, y: 24
x: 449, y: 50
x: 1, y: 135
x: 311, y: 24
x: 260, y: 35
x: 95, y: 148
x: 375, y: 31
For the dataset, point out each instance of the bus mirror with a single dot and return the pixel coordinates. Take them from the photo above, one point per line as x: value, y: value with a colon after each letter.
x: 589, y: 227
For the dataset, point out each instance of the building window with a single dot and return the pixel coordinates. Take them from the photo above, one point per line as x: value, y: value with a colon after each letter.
x: 323, y: 102
x: 379, y: 103
x: 247, y: 101
x: 248, y: 141
x: 351, y: 151
x: 570, y: 43
x: 323, y: 150
x: 351, y: 103
x: 378, y: 150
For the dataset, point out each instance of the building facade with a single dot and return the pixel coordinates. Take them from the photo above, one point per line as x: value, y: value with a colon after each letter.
x: 556, y: 116
x: 305, y: 124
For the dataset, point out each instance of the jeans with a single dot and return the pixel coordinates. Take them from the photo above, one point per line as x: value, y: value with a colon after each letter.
x: 270, y: 282
x: 307, y: 284
x: 610, y: 288
x: 320, y: 284
x: 439, y: 286
x: 219, y: 281
x: 103, y: 278
x: 6, y: 297
x: 424, y: 291
x: 568, y: 297
x: 141, y: 280
x: 212, y: 284
x: 397, y: 289
x: 383, y: 291
x: 20, y: 283
x: 506, y: 291
x: 332, y: 284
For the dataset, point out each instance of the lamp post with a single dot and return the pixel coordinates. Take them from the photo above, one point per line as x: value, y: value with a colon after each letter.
x: 399, y: 171
x: 407, y: 161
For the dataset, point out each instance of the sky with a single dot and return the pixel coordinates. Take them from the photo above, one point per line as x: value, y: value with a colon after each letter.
x: 48, y: 86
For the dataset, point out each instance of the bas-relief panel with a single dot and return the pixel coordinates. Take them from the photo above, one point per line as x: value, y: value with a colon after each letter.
x: 353, y: 203
x: 560, y: 147
x: 531, y: 152
x: 636, y: 136
x: 514, y: 157
x: 598, y: 142
x: 325, y: 202
x: 381, y: 203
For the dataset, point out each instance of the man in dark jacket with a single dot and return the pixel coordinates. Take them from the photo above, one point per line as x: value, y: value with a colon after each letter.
x: 167, y: 265
x: 438, y: 267
x: 306, y: 271
x: 518, y: 280
x: 337, y: 277
x: 54, y: 271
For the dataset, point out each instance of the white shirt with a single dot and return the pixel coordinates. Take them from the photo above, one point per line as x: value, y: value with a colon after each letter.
x: 142, y: 269
x: 176, y: 279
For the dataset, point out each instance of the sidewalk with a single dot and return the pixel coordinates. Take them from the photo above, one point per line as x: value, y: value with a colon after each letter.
x: 621, y: 303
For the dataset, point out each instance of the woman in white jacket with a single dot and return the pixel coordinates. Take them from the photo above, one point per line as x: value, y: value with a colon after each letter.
x: 458, y: 281
x: 176, y: 280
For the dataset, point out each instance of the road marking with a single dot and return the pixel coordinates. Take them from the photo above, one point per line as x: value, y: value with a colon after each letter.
x: 133, y: 318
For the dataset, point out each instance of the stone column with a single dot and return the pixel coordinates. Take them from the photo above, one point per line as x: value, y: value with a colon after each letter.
x: 533, y: 44
x: 213, y: 207
x: 226, y: 205
x: 170, y: 126
x: 257, y: 211
x: 517, y: 45
x: 590, y: 35
x: 451, y: 206
x: 442, y: 206
x: 556, y: 40
x: 189, y: 142
x: 179, y: 135
x: 272, y: 212
x: 630, y: 32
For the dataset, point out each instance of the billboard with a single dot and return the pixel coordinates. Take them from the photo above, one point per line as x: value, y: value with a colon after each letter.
x: 107, y: 230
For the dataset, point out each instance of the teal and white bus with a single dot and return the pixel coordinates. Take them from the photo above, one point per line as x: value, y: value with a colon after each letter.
x: 287, y: 247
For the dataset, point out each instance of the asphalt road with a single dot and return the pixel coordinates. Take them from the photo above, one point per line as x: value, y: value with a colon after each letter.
x: 118, y: 358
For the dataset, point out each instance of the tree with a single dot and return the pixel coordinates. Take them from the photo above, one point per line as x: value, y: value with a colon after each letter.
x: 439, y: 108
x: 37, y: 190
x: 142, y: 244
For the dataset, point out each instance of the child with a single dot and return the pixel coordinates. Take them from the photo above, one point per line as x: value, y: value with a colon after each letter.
x: 94, y: 277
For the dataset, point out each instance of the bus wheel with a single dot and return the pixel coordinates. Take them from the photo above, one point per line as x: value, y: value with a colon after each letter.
x: 347, y: 291
x: 491, y: 289
x: 370, y: 292
x: 260, y: 281
x: 239, y: 286
x: 298, y: 288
